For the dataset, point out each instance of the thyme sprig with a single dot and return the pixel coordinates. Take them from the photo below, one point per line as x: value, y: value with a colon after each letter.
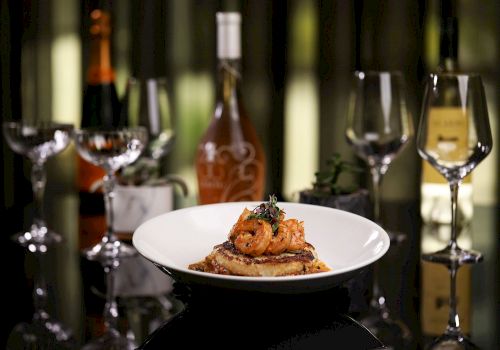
x: 268, y: 211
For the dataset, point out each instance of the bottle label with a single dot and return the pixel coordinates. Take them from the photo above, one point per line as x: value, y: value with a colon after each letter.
x: 447, y: 135
x: 229, y: 173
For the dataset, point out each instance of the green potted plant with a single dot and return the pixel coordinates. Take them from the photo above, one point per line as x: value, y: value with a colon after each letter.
x: 327, y: 189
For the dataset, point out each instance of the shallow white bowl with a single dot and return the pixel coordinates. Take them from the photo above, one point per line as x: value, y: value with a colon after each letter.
x: 345, y: 242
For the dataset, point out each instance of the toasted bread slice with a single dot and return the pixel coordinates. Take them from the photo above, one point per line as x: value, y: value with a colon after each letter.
x: 227, y: 259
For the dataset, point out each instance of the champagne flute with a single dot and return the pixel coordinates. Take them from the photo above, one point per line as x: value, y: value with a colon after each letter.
x: 378, y: 127
x: 111, y: 149
x: 454, y: 136
x: 38, y: 141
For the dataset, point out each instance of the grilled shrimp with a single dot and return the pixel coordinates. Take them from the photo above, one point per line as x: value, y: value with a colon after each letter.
x: 296, y: 229
x: 252, y: 236
x: 280, y: 240
x: 243, y: 217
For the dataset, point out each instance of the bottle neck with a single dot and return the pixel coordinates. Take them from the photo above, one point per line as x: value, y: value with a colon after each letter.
x: 100, y: 70
x: 448, y: 48
x: 229, y: 76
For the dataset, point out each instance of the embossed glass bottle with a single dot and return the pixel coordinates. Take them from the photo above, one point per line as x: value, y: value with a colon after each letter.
x: 230, y: 161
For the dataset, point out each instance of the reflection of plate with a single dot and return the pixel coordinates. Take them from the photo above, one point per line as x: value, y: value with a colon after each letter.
x: 344, y: 241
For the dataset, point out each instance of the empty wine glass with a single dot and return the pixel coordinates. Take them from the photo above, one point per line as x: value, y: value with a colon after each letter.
x: 454, y: 136
x: 38, y: 141
x: 110, y: 150
x: 146, y: 103
x: 378, y: 126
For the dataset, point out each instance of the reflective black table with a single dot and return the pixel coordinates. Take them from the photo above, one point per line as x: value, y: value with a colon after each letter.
x: 228, y: 319
x: 400, y: 278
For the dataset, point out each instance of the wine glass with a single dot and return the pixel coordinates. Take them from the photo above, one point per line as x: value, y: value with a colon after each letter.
x: 38, y: 141
x: 378, y: 127
x: 146, y: 103
x: 110, y: 149
x: 454, y: 136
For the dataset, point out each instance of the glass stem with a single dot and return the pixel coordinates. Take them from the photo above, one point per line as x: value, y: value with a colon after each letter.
x: 39, y: 289
x: 453, y: 320
x: 378, y: 299
x: 111, y: 307
x: 377, y: 174
x: 109, y: 185
x: 454, y: 199
x: 38, y: 181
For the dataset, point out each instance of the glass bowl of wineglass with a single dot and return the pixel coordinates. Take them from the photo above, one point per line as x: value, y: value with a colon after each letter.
x: 378, y: 127
x: 38, y: 141
x: 454, y: 136
x: 110, y: 149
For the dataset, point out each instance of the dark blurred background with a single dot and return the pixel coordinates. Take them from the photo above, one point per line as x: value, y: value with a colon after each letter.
x: 298, y: 59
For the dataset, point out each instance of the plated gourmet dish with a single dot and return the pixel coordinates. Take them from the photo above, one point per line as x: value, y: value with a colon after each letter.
x: 263, y: 243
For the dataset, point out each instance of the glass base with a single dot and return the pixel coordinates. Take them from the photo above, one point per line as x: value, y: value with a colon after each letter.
x: 111, y: 340
x: 37, y: 239
x: 394, y: 334
x: 109, y: 251
x: 452, y: 342
x: 42, y: 334
x: 454, y: 256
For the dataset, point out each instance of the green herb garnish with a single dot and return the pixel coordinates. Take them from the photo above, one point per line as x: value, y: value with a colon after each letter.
x: 327, y: 181
x: 268, y: 211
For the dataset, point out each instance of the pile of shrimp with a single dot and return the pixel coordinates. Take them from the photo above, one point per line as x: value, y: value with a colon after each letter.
x: 256, y: 237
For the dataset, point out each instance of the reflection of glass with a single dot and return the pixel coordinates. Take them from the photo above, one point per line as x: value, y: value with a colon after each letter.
x: 435, y: 283
x: 458, y: 101
x: 38, y: 142
x: 378, y: 126
x: 110, y: 150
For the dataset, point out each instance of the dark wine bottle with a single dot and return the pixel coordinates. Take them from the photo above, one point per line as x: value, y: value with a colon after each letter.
x: 101, y: 109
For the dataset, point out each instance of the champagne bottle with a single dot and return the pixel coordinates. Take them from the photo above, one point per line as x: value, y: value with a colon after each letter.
x: 435, y: 192
x: 230, y: 161
x: 101, y: 109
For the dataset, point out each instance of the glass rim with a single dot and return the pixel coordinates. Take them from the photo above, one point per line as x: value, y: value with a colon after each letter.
x: 371, y: 72
x: 110, y: 131
x: 48, y: 124
x: 453, y: 75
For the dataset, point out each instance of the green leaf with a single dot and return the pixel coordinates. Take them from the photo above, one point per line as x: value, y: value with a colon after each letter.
x: 327, y: 180
x: 268, y: 211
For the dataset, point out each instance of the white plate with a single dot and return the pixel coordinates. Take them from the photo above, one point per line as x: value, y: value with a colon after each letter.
x: 345, y: 242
